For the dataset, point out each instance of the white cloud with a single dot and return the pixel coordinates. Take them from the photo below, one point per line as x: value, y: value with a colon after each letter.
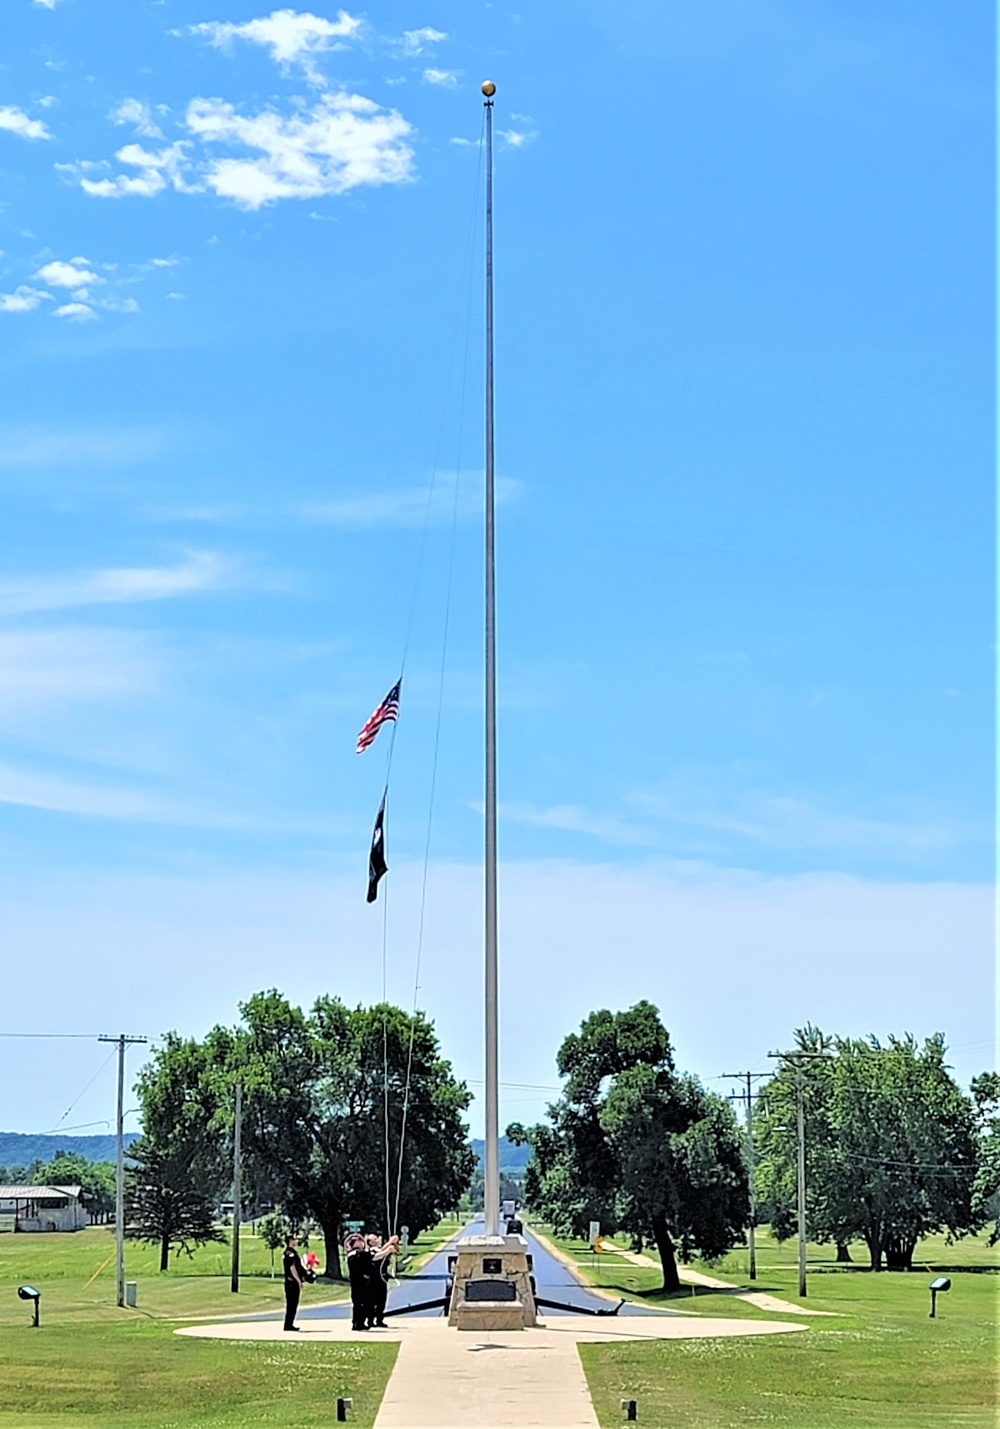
x: 156, y: 169
x: 409, y: 507
x: 139, y: 115
x: 165, y: 262
x: 15, y: 121
x: 416, y: 41
x: 341, y: 143
x: 445, y: 78
x: 104, y: 801
x: 47, y: 4
x: 47, y: 101
x: 204, y: 570
x: 76, y: 312
x: 292, y: 37
x: 22, y: 300
x: 517, y: 138
x: 74, y: 274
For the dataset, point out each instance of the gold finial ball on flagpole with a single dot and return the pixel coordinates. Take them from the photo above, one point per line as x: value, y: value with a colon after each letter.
x: 488, y: 88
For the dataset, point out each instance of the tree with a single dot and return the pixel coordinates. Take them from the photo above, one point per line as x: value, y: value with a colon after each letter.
x: 164, y: 1203
x: 986, y: 1186
x: 178, y: 1166
x: 95, y: 1178
x: 890, y: 1144
x: 323, y: 1115
x: 637, y: 1145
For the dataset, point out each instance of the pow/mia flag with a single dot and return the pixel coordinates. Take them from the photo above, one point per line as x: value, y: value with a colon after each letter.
x: 377, y: 865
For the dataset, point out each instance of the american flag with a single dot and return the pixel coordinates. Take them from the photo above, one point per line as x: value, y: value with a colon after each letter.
x: 387, y: 710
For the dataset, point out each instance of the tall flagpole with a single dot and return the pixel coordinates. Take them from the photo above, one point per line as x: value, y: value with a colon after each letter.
x: 491, y: 1173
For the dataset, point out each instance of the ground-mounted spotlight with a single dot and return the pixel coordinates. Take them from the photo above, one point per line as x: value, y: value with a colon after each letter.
x: 941, y: 1283
x: 28, y: 1292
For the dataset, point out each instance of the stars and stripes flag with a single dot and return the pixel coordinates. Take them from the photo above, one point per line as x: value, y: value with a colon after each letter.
x: 387, y: 711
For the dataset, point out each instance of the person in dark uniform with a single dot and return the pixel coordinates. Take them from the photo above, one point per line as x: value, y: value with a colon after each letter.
x: 378, y: 1289
x: 359, y: 1273
x: 294, y: 1277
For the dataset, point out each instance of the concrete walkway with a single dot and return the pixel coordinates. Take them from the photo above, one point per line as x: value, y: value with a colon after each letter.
x: 449, y: 1379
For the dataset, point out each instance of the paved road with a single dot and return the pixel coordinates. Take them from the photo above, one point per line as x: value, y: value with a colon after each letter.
x: 553, y: 1282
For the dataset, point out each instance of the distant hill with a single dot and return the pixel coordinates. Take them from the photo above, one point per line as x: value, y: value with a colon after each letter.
x: 19, y: 1148
x: 512, y: 1158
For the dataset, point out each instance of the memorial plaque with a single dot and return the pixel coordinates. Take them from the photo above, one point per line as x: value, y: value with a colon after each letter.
x: 490, y: 1290
x: 492, y: 1267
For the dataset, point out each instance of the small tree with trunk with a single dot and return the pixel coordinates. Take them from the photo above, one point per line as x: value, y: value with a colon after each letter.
x: 164, y: 1204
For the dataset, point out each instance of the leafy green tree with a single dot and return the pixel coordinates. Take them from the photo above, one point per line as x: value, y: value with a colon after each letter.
x: 178, y: 1167
x: 637, y: 1145
x: 320, y: 1091
x: 891, y: 1147
x: 95, y: 1178
x: 986, y: 1186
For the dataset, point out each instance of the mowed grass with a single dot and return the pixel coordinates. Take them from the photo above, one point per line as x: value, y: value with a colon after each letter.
x: 880, y: 1362
x: 95, y: 1365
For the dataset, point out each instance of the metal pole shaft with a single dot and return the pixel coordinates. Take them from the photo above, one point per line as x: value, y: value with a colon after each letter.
x: 801, y: 1120
x: 752, y: 1237
x: 120, y: 1179
x: 491, y: 1176
x: 234, y: 1283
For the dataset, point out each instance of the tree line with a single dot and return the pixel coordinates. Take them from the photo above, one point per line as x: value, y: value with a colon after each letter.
x: 324, y: 1096
x: 896, y: 1150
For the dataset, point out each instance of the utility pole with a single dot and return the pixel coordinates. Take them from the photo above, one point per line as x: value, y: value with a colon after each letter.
x: 796, y: 1059
x: 234, y: 1283
x: 750, y: 1078
x: 123, y: 1041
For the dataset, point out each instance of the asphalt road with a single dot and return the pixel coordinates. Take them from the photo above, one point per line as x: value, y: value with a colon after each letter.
x: 553, y: 1282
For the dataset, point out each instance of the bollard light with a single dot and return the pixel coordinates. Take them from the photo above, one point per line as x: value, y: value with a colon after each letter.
x: 28, y: 1292
x: 343, y: 1405
x: 941, y: 1283
x: 631, y: 1408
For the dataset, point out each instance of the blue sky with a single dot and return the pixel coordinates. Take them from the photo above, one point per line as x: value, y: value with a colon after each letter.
x: 745, y: 331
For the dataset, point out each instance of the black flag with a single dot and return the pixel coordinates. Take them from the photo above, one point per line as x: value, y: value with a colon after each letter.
x: 376, y: 859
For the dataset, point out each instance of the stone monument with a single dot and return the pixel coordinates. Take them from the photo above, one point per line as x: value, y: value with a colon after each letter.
x: 492, y: 1287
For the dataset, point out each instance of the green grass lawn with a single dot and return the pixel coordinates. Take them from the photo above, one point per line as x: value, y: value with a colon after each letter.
x: 880, y: 1364
x: 93, y: 1364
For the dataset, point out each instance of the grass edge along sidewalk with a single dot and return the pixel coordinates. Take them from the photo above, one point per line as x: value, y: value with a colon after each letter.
x: 880, y: 1363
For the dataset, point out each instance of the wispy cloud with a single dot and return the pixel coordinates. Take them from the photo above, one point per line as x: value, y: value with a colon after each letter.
x: 405, y: 507
x: 60, y: 668
x: 204, y: 570
x: 443, y: 78
x: 46, y: 4
x: 76, y: 312
x: 33, y: 447
x: 105, y: 801
x: 293, y: 38
x: 574, y: 818
x: 415, y: 42
x: 15, y: 121
x: 342, y: 142
x: 139, y: 115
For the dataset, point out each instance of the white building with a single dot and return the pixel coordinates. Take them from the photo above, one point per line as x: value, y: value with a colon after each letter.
x: 42, y: 1208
